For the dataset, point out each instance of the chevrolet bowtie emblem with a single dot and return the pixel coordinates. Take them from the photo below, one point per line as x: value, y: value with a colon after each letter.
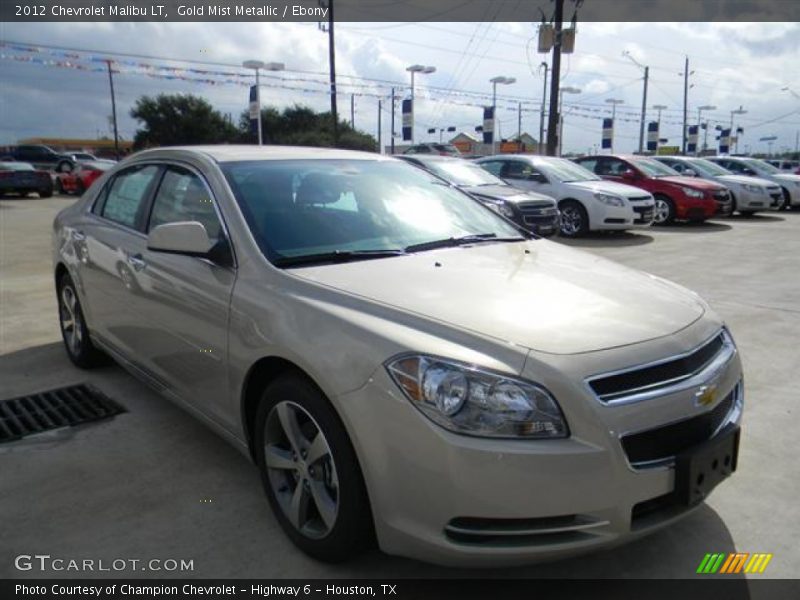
x: 706, y: 395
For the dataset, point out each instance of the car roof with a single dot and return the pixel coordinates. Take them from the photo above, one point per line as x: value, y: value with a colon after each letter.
x: 432, y: 158
x: 241, y: 152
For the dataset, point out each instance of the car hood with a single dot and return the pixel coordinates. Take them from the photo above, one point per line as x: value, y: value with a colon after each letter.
x: 693, y: 182
x: 787, y: 177
x: 609, y: 187
x: 538, y: 294
x: 744, y: 180
x: 506, y: 192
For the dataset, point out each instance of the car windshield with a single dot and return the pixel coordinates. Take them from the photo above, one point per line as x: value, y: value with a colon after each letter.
x: 462, y: 172
x: 16, y: 166
x: 653, y: 168
x: 355, y: 209
x: 566, y: 171
x: 760, y: 165
x: 708, y: 168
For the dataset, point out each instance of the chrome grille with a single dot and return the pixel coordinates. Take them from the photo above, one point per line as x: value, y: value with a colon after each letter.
x: 645, y: 381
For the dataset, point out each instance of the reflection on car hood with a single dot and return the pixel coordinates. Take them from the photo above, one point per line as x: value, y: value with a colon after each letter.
x: 693, y: 182
x: 506, y: 192
x: 552, y: 299
x: 744, y: 180
x: 610, y: 187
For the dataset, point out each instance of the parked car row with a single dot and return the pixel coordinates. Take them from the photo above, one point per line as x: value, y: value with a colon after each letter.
x: 23, y: 179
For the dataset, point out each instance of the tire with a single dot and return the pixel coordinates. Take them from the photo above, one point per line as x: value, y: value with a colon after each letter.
x: 665, y: 211
x: 79, y: 188
x: 574, y: 219
x: 747, y: 213
x: 332, y: 521
x: 59, y: 186
x: 74, y: 331
x: 733, y: 205
x: 46, y: 193
x: 787, y: 200
x: 61, y: 164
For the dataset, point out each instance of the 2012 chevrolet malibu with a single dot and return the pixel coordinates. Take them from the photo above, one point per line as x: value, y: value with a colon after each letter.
x: 401, y: 363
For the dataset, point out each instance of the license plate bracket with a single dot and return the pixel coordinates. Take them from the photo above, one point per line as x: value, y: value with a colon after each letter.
x: 699, y: 469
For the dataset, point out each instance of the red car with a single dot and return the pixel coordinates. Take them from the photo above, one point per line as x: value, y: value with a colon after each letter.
x: 78, y: 179
x: 677, y: 197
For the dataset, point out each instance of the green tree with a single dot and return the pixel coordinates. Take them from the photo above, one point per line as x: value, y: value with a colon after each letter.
x: 178, y: 119
x: 301, y: 126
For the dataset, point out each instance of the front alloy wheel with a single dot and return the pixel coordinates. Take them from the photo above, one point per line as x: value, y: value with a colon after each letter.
x: 664, y: 212
x: 74, y: 331
x: 310, y: 471
x: 301, y: 470
x: 574, y: 220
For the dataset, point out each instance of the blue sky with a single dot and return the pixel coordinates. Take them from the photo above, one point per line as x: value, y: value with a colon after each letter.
x: 734, y: 64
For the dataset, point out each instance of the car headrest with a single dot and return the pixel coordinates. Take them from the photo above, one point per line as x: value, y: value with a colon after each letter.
x: 319, y: 188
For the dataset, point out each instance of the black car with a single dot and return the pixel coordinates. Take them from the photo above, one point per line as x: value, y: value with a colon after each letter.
x: 21, y: 178
x: 535, y: 212
x: 41, y: 157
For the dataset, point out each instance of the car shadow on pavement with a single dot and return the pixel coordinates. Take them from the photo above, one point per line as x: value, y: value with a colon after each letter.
x: 756, y: 218
x: 693, y: 227
x: 156, y: 482
x: 606, y: 238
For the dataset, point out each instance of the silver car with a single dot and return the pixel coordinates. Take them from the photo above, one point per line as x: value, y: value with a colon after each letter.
x: 402, y: 364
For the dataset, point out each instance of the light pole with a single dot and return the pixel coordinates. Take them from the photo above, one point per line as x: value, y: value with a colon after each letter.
x: 613, y: 102
x: 561, y: 92
x: 738, y: 111
x: 541, y: 115
x: 644, y: 97
x: 494, y: 81
x: 257, y: 65
x: 659, y: 108
x: 700, y: 110
x: 413, y: 69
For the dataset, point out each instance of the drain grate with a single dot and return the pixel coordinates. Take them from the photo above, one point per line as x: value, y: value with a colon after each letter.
x: 54, y: 409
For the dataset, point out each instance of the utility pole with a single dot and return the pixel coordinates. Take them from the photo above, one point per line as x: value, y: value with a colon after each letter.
x: 519, y: 122
x: 541, y: 115
x: 332, y: 69
x: 644, y: 110
x: 353, y: 111
x: 113, y: 108
x: 685, y: 104
x: 391, y: 142
x: 552, y: 122
x: 380, y: 147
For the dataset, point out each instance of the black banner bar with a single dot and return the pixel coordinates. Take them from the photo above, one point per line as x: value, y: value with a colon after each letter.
x: 389, y: 11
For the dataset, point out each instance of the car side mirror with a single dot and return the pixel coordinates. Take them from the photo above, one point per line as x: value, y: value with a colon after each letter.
x: 183, y: 237
x: 689, y: 173
x: 629, y: 174
x: 537, y: 177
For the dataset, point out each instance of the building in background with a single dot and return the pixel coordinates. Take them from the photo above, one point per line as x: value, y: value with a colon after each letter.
x: 102, y: 148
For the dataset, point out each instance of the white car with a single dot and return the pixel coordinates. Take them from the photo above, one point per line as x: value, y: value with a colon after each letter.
x: 790, y: 184
x: 749, y: 194
x: 587, y: 202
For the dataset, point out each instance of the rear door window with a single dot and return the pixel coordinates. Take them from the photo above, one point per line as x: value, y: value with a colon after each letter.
x: 127, y: 194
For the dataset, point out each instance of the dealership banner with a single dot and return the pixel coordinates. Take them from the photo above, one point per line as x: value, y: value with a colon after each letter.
x: 652, y: 136
x: 729, y: 587
x: 254, y: 109
x: 608, y: 134
x: 691, y: 142
x: 725, y: 141
x: 408, y: 120
x: 488, y: 125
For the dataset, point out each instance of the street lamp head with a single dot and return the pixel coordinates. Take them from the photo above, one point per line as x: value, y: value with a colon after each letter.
x: 254, y: 64
x: 660, y: 106
x: 429, y: 70
x: 503, y: 80
x: 420, y: 69
x: 614, y: 101
x: 274, y: 66
x: 707, y: 107
x: 571, y: 90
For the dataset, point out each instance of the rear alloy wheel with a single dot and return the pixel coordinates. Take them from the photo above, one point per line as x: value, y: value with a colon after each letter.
x: 310, y: 471
x: 74, y: 331
x: 574, y: 220
x: 665, y: 211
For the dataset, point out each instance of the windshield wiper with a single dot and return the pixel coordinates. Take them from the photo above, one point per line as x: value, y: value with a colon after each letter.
x: 461, y: 241
x: 337, y: 256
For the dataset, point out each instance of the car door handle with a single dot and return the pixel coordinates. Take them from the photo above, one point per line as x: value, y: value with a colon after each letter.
x: 137, y: 262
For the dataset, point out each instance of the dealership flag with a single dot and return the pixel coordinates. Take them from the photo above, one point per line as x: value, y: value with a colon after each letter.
x: 725, y: 141
x: 408, y: 120
x: 254, y: 108
x: 608, y: 134
x: 691, y: 146
x: 652, y: 136
x: 488, y: 125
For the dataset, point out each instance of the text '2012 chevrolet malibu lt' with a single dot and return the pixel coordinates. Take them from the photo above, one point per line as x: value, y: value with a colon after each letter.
x: 401, y: 363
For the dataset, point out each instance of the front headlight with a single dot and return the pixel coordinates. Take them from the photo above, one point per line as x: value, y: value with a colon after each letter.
x: 468, y: 400
x: 609, y: 199
x: 693, y: 193
x: 756, y: 189
x: 501, y: 207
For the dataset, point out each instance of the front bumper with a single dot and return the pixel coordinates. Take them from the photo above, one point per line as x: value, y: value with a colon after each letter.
x: 458, y: 500
x: 632, y: 216
x: 751, y: 201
